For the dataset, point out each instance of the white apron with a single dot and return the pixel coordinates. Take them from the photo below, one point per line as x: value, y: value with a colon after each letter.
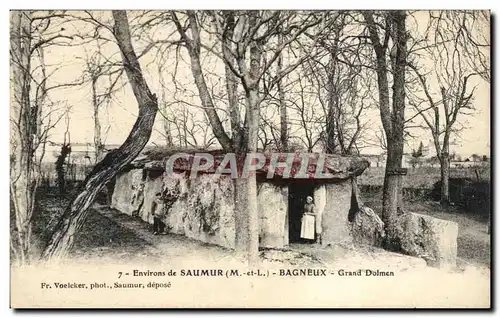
x: 307, y: 228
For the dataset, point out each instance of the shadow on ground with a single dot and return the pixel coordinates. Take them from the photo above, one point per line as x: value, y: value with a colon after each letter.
x: 102, y: 235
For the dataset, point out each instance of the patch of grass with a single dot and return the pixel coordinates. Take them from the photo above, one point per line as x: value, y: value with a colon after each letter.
x: 98, y: 235
x: 102, y: 233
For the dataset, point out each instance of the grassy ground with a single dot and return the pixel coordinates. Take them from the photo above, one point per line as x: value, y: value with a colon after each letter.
x: 423, y: 177
x: 473, y: 238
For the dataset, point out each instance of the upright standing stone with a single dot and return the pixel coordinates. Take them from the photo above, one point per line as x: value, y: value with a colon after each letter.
x: 128, y: 193
x: 433, y: 239
x: 335, y: 222
x: 367, y: 228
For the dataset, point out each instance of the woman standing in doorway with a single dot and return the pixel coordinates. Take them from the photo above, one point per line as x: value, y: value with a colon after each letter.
x: 307, y: 229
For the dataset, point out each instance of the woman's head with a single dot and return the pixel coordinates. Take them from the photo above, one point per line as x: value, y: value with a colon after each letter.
x: 309, y: 199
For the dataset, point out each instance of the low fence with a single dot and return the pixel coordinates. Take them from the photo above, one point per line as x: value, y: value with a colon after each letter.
x: 425, y: 177
x: 74, y: 174
x: 409, y: 194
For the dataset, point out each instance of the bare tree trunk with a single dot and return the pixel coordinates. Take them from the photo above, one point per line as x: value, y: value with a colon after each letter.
x: 283, y: 120
x: 43, y: 91
x: 166, y: 124
x: 392, y: 193
x: 392, y: 184
x: 168, y: 134
x: 61, y: 164
x: 23, y: 181
x: 240, y: 141
x: 283, y: 109
x: 253, y: 114
x: 392, y: 120
x: 97, y: 124
x: 240, y: 215
x: 41, y: 136
x: 455, y: 95
x: 330, y: 120
x: 207, y: 102
x: 251, y: 182
x: 445, y: 178
x: 444, y: 159
x: 237, y: 136
x: 76, y: 213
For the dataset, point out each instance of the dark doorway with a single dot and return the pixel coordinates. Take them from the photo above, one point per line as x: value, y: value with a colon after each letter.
x: 297, y: 194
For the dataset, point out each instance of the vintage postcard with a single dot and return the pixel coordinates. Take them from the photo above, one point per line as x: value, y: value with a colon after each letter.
x: 250, y: 159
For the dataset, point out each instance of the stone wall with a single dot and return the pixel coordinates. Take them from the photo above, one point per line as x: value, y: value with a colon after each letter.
x: 319, y: 197
x: 202, y: 208
x: 335, y: 223
x: 128, y: 192
x: 150, y: 188
x: 273, y: 215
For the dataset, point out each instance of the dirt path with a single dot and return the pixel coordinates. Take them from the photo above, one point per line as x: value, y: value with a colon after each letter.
x: 110, y: 235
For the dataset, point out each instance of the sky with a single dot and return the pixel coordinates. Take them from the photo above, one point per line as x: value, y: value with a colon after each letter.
x: 118, y: 118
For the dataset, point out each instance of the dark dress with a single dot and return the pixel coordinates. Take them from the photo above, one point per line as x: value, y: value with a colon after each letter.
x: 158, y: 215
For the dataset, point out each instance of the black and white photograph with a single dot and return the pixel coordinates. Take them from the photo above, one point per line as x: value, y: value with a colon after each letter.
x: 250, y: 158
